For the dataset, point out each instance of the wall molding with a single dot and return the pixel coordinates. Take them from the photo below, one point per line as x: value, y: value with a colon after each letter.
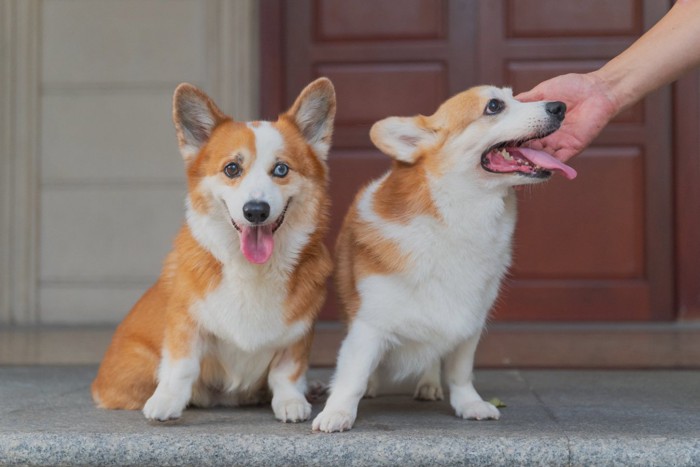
x: 6, y: 34
x: 234, y: 60
x: 19, y: 209
x: 231, y: 77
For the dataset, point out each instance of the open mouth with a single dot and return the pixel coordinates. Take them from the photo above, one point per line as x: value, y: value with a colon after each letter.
x: 510, y: 157
x: 257, y: 241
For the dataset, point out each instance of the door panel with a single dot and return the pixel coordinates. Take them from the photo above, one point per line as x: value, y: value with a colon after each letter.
x: 382, y: 86
x: 557, y: 18
x: 340, y: 20
x: 597, y: 248
x: 578, y: 230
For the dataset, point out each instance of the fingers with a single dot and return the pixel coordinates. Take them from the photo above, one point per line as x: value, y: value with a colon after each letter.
x: 554, y: 146
x: 533, y: 94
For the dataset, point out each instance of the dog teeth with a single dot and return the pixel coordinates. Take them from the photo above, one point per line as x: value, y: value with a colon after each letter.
x: 506, y: 155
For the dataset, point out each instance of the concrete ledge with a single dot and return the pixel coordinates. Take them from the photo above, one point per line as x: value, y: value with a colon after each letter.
x: 552, y: 418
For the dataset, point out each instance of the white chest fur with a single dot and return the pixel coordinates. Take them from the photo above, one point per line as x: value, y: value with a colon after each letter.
x: 452, y: 280
x: 247, y: 310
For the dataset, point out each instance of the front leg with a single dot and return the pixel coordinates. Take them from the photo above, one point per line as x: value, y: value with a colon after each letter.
x: 178, y: 371
x: 287, y: 381
x: 359, y: 356
x: 464, y: 399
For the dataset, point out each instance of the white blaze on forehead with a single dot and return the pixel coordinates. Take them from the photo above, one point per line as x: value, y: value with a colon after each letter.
x: 268, y: 142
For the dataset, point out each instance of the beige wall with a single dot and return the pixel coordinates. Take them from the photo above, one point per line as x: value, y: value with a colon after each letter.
x: 98, y: 182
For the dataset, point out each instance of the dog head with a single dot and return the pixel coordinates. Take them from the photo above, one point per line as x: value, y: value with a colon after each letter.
x: 256, y: 177
x: 478, y: 133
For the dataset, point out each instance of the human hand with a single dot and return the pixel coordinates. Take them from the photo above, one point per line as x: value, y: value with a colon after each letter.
x: 589, y: 105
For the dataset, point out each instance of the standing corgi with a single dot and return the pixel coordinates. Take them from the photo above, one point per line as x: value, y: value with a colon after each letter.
x: 423, y: 249
x: 232, y: 313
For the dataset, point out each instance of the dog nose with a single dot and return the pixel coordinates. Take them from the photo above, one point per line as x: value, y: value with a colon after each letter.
x: 256, y: 211
x: 556, y: 109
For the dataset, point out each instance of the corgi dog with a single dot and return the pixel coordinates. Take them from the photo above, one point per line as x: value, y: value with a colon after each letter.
x: 422, y: 251
x: 232, y: 313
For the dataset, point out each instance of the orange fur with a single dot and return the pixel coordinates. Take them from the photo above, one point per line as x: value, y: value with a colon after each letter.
x: 163, y: 319
x: 127, y: 376
x: 403, y: 195
x: 360, y: 252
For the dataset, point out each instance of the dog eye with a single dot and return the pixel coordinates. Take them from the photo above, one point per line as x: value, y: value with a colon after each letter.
x: 232, y: 170
x: 280, y: 170
x: 494, y: 106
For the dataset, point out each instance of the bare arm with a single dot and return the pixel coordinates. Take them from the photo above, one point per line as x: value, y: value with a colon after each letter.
x: 660, y: 56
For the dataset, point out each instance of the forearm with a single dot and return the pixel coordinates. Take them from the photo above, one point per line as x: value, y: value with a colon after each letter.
x: 660, y: 56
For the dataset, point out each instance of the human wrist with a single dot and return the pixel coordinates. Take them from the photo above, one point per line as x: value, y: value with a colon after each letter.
x: 609, y: 85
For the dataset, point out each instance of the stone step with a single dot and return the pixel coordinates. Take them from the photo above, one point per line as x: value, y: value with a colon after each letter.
x: 551, y: 418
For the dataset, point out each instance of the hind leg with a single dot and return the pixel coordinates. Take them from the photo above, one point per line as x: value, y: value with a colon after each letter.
x: 429, y: 387
x: 126, y: 378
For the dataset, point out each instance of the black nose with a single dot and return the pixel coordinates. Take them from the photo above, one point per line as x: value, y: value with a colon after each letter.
x: 556, y: 109
x: 256, y: 211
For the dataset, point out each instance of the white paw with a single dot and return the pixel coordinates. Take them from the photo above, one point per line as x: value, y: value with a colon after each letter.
x: 163, y: 407
x: 478, y: 410
x: 428, y: 392
x: 333, y: 420
x: 291, y: 410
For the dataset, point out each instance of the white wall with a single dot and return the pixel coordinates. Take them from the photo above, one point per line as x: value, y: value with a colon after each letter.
x: 106, y: 182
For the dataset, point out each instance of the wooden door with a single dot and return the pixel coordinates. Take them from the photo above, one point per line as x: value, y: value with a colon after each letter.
x: 596, y: 249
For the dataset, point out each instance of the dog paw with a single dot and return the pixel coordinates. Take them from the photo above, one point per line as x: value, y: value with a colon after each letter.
x: 317, y: 391
x: 331, y: 421
x: 291, y: 410
x: 162, y: 407
x: 428, y: 392
x: 478, y: 410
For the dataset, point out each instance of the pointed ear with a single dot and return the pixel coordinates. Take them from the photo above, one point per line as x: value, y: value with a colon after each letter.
x: 402, y: 137
x: 314, y: 112
x: 195, y: 115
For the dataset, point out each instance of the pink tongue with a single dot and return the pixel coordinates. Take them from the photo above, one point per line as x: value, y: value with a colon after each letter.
x: 547, y: 161
x: 257, y: 243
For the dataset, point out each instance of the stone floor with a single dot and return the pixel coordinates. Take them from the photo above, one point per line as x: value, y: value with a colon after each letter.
x: 552, y: 418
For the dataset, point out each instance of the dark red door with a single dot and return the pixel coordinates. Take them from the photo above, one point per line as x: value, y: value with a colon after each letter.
x: 598, y: 248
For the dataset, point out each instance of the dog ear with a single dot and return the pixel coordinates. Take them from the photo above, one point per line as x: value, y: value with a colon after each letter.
x: 195, y: 115
x: 314, y: 112
x: 402, y: 137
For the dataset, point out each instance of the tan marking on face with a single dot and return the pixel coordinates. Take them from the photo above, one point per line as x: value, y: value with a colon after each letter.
x: 450, y: 119
x: 230, y: 142
x: 458, y: 112
x: 297, y: 153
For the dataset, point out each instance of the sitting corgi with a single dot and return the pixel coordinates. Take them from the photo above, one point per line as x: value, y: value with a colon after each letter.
x: 232, y: 313
x: 423, y: 250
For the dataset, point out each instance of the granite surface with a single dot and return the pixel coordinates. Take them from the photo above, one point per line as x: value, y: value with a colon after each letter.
x: 552, y: 418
